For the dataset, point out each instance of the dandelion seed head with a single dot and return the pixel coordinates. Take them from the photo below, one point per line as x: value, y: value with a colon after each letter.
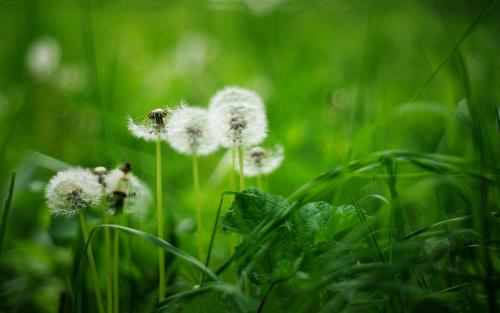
x: 72, y: 191
x: 42, y: 58
x: 239, y: 117
x: 100, y: 172
x: 152, y: 128
x: 262, y: 161
x: 191, y: 131
x: 125, y: 192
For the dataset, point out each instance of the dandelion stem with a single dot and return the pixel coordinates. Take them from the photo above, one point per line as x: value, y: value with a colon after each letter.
x: 107, y: 258
x: 231, y: 236
x: 197, y: 200
x: 116, y: 265
x: 240, y: 161
x: 233, y: 167
x: 93, y: 270
x: 259, y: 181
x: 159, y: 213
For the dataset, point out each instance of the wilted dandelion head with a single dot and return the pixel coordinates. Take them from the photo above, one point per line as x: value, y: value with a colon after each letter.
x: 100, y: 172
x: 71, y: 191
x: 42, y: 58
x: 239, y: 117
x: 125, y: 192
x: 191, y: 132
x: 152, y: 128
x: 262, y: 161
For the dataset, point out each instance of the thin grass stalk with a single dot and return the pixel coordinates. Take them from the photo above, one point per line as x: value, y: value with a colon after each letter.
x: 93, y: 270
x: 159, y: 213
x: 116, y: 265
x: 6, y: 210
x: 197, y: 200
x: 107, y: 259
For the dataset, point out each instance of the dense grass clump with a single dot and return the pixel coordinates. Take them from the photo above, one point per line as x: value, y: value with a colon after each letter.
x: 354, y: 169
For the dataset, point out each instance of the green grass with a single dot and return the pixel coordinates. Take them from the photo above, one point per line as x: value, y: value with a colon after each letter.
x: 389, y: 194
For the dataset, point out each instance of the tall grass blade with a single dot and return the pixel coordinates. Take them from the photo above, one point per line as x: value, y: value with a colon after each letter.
x: 6, y: 210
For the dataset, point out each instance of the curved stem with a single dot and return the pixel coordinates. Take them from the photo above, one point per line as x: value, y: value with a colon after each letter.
x: 93, y: 270
x: 197, y: 200
x: 159, y: 213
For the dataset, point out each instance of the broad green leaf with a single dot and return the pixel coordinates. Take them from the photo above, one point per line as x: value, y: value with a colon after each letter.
x: 281, y: 255
x: 342, y: 218
x: 247, y: 212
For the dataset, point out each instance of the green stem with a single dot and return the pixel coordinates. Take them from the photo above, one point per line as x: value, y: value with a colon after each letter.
x: 107, y: 258
x: 159, y: 213
x: 116, y: 265
x: 93, y: 270
x: 233, y: 168
x: 197, y: 200
x: 242, y: 174
x: 259, y: 181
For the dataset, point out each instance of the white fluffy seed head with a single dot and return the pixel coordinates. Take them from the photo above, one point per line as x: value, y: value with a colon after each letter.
x: 239, y: 117
x: 43, y: 57
x: 72, y: 191
x: 261, y: 161
x: 125, y: 192
x: 153, y: 127
x: 191, y: 132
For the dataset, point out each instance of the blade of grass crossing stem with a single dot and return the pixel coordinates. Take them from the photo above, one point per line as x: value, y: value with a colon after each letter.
x: 362, y: 217
x: 156, y: 241
x: 6, y: 210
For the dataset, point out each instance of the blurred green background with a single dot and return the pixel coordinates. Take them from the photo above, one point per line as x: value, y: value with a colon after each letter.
x: 339, y: 78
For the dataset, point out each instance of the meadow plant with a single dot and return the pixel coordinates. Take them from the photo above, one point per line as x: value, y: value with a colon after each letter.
x: 43, y: 57
x: 154, y: 128
x: 239, y: 120
x: 125, y: 193
x: 192, y: 133
x: 70, y: 193
x: 259, y: 161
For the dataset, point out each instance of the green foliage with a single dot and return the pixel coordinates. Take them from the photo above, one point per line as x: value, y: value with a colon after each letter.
x: 388, y: 199
x: 291, y: 243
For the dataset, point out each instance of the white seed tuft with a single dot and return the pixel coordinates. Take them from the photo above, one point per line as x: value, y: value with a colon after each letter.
x: 125, y: 192
x: 72, y: 191
x: 191, y: 132
x: 152, y: 128
x: 43, y: 58
x: 262, y: 161
x: 239, y: 117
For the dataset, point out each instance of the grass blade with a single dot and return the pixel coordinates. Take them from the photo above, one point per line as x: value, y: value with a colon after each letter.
x: 5, y: 216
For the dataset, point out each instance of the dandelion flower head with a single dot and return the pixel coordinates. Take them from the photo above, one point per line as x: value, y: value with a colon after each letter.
x: 152, y: 128
x: 191, y: 132
x: 262, y: 161
x: 239, y: 117
x: 72, y: 191
x: 125, y: 192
